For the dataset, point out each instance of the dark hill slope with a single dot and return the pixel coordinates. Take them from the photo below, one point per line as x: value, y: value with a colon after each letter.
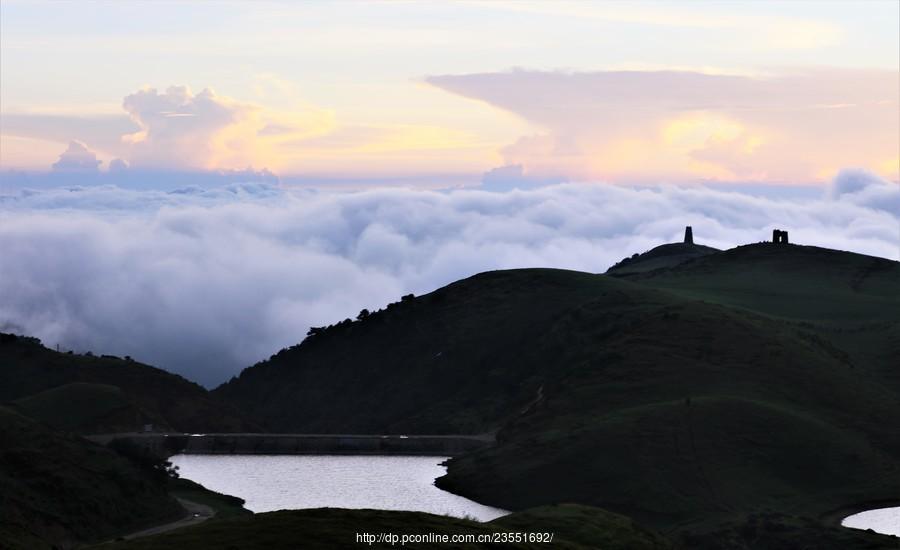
x: 83, y: 408
x: 573, y: 527
x: 100, y: 394
x: 791, y: 281
x: 459, y: 360
x: 850, y: 302
x: 661, y: 257
x: 771, y: 386
x: 695, y: 414
x: 680, y: 407
x: 58, y: 491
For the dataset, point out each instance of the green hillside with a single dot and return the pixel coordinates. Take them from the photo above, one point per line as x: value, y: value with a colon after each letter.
x: 91, y: 394
x: 760, y: 382
x: 573, y: 527
x: 791, y: 281
x: 662, y: 257
x: 462, y: 359
x: 850, y: 302
x: 58, y: 490
x: 83, y: 407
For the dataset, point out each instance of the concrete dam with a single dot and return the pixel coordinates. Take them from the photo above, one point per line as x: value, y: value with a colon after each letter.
x: 168, y: 444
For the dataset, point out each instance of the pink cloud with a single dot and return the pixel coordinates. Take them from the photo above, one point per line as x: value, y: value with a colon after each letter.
x: 639, y: 125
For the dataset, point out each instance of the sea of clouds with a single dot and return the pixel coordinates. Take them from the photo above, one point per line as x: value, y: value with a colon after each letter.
x: 205, y: 282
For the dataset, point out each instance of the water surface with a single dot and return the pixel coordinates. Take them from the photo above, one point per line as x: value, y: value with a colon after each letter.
x: 276, y: 482
x: 883, y: 520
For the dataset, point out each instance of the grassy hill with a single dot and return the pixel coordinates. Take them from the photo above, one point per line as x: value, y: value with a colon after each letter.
x: 790, y: 281
x: 573, y: 527
x: 83, y: 407
x: 462, y: 359
x: 661, y: 257
x: 58, y: 490
x: 848, y: 302
x: 696, y: 399
x: 91, y: 394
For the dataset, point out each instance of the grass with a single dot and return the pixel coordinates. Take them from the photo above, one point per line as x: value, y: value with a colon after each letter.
x: 758, y: 382
x: 92, y: 394
x: 573, y: 527
x: 226, y: 506
x: 58, y: 490
x: 82, y: 407
x: 729, y: 401
x: 662, y: 257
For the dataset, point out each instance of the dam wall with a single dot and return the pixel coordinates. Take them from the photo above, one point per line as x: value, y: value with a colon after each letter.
x: 168, y: 444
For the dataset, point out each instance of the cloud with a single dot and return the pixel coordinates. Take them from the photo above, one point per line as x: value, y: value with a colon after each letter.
x: 120, y: 174
x: 77, y: 158
x: 866, y: 189
x: 100, y: 131
x: 648, y: 126
x: 513, y: 176
x: 207, y: 281
x: 179, y: 129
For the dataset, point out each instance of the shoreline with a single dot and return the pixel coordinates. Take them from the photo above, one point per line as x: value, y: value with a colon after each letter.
x: 837, y: 516
x: 170, y: 444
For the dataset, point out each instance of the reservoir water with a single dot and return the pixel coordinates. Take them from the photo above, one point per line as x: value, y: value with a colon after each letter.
x: 883, y: 520
x: 276, y: 482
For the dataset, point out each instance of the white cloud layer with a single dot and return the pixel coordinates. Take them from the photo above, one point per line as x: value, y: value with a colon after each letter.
x: 205, y: 282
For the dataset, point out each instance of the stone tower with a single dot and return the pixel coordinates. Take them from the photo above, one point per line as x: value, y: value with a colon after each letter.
x: 779, y: 236
x: 688, y: 235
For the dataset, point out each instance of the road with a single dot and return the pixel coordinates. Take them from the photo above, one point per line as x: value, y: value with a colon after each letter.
x: 196, y: 513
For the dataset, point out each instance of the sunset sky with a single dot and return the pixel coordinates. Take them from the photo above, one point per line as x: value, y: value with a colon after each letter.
x: 454, y: 94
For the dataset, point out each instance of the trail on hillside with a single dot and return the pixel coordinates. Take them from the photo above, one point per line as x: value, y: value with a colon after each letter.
x: 196, y: 513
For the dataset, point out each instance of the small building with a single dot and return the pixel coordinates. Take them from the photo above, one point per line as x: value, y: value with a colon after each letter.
x: 779, y: 236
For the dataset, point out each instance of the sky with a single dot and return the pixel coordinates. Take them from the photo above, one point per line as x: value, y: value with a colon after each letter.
x: 195, y: 184
x: 442, y: 93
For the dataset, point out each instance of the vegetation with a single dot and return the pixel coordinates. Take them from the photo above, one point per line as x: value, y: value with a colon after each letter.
x: 731, y: 400
x: 83, y: 407
x: 573, y: 528
x: 592, y: 527
x: 662, y: 257
x: 225, y: 506
x: 759, y: 382
x: 58, y: 490
x: 158, y: 467
x: 90, y: 394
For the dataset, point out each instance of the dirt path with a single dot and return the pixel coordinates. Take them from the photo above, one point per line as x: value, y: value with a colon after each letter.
x: 196, y: 513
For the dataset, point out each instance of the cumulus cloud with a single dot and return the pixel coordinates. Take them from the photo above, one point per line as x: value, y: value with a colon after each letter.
x: 207, y: 281
x: 117, y: 165
x: 682, y: 126
x: 180, y: 129
x: 77, y: 158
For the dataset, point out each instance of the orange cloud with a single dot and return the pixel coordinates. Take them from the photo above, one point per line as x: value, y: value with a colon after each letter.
x: 650, y: 125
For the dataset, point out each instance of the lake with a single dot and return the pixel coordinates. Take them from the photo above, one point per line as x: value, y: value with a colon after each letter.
x: 277, y: 482
x: 882, y: 520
